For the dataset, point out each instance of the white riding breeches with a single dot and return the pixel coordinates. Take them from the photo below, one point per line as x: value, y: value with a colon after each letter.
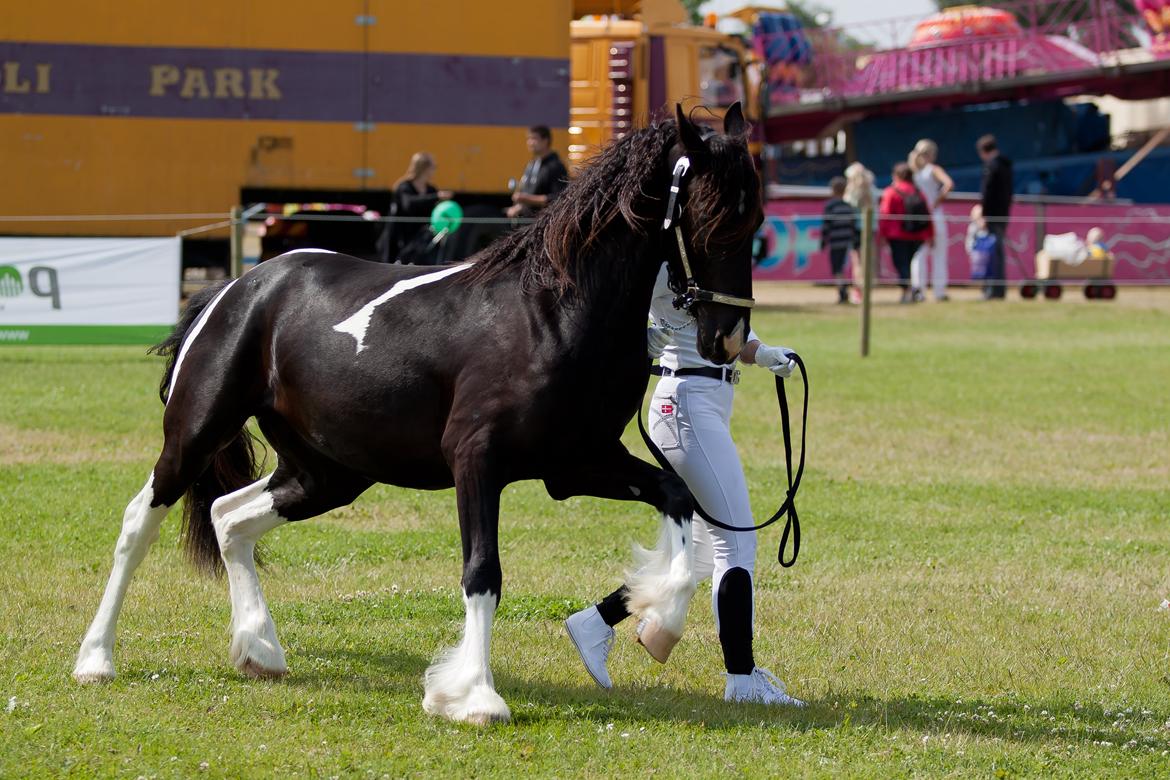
x: 931, y: 259
x: 690, y: 419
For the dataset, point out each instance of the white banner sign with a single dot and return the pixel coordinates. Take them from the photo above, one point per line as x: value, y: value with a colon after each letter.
x: 88, y: 290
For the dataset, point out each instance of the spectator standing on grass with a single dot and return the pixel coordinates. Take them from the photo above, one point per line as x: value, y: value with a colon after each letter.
x: 861, y: 194
x: 996, y: 201
x: 840, y: 234
x: 413, y: 199
x: 935, y: 185
x: 904, y: 223
x: 544, y: 177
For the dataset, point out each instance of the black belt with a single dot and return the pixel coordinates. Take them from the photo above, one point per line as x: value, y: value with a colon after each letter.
x: 729, y: 375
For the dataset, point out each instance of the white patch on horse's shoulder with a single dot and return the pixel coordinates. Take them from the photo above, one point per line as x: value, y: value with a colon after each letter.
x: 357, y: 324
x: 635, y: 491
x: 203, y: 317
x: 318, y: 251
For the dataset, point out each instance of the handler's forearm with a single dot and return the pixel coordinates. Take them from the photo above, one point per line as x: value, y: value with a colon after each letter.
x: 748, y: 355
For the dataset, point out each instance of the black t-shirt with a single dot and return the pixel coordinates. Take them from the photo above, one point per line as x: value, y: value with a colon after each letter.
x: 544, y: 176
x: 997, y: 188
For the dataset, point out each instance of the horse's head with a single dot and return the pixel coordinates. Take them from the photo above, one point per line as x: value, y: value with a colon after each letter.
x: 718, y: 211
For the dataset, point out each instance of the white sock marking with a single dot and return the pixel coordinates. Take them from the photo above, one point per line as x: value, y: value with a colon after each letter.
x: 203, y: 316
x: 357, y: 325
x: 140, y: 524
x: 459, y: 684
x: 240, y: 519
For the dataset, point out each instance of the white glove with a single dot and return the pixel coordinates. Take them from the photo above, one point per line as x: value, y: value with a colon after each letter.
x: 657, y: 340
x: 776, y: 360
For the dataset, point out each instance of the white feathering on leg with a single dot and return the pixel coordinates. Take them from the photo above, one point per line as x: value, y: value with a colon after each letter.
x: 663, y: 580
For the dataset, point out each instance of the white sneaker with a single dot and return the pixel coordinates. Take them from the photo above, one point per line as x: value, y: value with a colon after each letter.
x: 593, y: 640
x: 761, y: 687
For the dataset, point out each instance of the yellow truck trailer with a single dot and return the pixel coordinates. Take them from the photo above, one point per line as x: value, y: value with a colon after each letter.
x: 192, y: 108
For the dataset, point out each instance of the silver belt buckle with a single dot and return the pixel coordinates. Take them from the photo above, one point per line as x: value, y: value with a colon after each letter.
x: 732, y: 375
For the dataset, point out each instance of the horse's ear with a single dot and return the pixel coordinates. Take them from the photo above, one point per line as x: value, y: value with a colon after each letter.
x: 692, y: 141
x: 733, y: 122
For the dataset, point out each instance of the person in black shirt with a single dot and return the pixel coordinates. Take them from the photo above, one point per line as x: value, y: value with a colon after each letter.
x: 414, y: 197
x: 544, y: 177
x: 997, y: 206
x: 840, y: 234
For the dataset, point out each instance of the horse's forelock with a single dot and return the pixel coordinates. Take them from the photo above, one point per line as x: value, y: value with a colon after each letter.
x: 725, y: 200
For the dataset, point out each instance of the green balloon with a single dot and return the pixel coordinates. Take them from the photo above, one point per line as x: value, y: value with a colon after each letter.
x: 447, y: 215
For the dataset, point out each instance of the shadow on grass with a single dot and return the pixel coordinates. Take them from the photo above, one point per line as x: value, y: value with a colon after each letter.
x: 1015, y: 720
x: 399, y: 672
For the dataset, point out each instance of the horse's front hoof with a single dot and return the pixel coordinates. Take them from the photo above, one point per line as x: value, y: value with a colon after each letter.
x: 656, y: 639
x: 481, y: 706
x: 94, y: 668
x: 93, y: 678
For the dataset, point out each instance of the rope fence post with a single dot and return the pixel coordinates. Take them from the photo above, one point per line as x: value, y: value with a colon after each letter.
x: 868, y: 266
x: 237, y: 242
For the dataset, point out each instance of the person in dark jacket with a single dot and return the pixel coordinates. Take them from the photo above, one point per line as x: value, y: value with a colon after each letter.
x: 840, y: 234
x: 414, y: 198
x: 544, y: 177
x: 903, y: 226
x: 997, y: 206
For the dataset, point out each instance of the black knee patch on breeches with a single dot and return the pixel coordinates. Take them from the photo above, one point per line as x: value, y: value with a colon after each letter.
x: 734, y: 602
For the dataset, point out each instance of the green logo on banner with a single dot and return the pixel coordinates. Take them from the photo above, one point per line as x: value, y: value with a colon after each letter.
x: 11, y: 284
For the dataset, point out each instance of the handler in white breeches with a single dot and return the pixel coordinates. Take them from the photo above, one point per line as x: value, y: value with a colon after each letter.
x: 690, y: 421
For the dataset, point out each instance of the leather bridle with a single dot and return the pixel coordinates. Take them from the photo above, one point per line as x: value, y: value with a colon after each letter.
x: 688, y: 292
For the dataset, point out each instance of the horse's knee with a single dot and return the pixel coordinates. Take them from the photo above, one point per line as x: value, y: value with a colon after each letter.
x: 482, y: 574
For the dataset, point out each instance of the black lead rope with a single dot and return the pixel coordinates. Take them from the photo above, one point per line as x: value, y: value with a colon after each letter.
x: 792, y: 525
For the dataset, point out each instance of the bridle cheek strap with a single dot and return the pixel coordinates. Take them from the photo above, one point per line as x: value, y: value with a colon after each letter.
x: 692, y: 293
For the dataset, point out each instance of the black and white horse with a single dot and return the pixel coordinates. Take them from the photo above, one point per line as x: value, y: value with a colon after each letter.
x: 358, y: 373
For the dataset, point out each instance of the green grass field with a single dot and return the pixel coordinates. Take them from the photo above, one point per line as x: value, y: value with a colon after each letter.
x: 985, y: 552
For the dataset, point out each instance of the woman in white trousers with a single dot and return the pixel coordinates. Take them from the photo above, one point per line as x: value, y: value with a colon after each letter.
x: 690, y: 418
x: 935, y: 185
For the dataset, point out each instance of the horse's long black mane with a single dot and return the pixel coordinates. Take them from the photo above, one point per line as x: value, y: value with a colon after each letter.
x: 625, y: 185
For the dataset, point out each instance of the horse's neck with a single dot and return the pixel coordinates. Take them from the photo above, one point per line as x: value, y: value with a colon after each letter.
x: 616, y: 297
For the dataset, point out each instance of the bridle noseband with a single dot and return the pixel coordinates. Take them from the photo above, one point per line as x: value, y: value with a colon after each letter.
x: 688, y: 292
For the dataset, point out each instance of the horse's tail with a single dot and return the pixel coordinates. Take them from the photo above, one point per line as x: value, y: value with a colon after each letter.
x: 230, y: 469
x: 170, y: 346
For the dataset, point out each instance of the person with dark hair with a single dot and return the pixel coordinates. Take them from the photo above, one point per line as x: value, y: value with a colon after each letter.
x: 544, y: 177
x: 904, y: 222
x: 840, y: 234
x: 996, y: 201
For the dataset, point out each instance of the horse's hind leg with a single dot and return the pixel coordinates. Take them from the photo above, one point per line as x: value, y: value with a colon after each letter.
x: 140, y: 524
x: 240, y: 519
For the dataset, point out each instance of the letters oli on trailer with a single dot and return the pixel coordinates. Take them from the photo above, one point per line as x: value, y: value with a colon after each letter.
x: 166, y: 80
